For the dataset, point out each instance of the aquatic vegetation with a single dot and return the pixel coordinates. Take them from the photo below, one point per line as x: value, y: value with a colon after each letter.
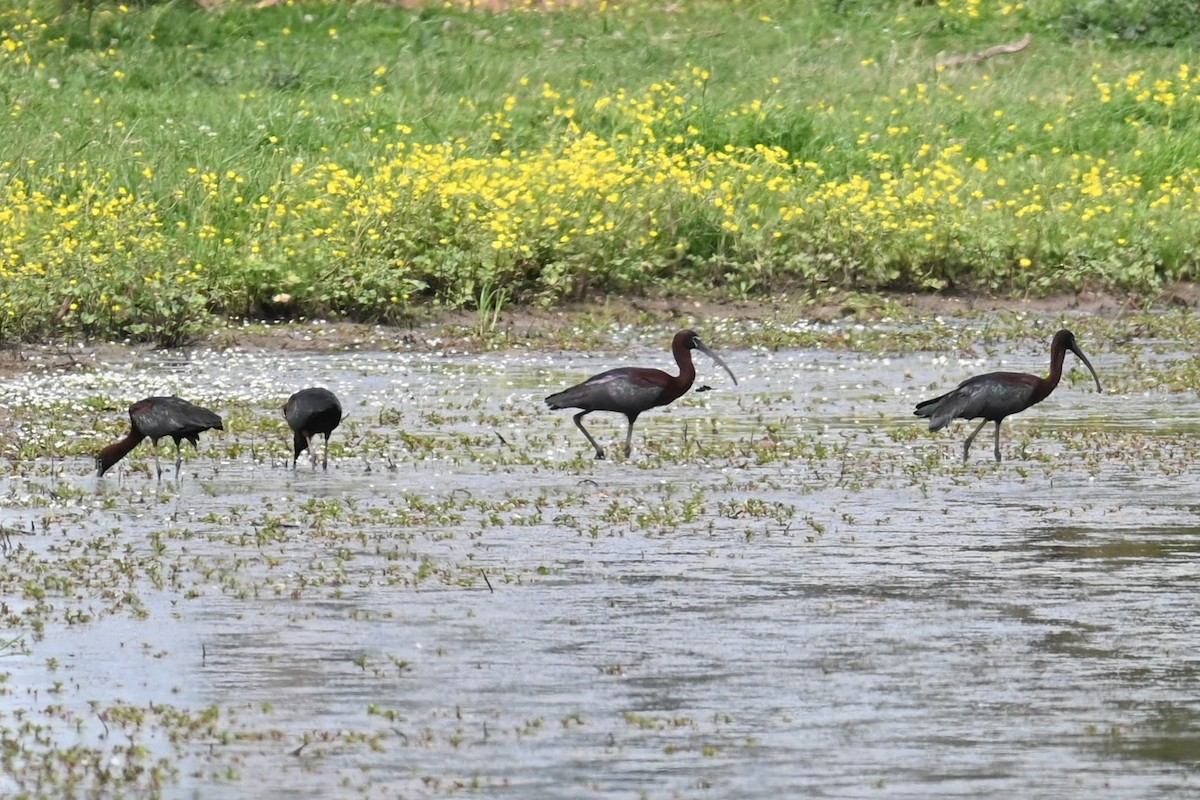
x: 788, y: 519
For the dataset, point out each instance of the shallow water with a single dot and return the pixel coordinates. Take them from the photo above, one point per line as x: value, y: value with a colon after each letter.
x: 791, y: 590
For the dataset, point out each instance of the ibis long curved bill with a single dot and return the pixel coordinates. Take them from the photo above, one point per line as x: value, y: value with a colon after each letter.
x: 703, y: 348
x: 1074, y: 348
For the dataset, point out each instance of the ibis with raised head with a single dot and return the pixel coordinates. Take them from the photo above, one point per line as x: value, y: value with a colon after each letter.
x: 996, y: 395
x: 632, y: 390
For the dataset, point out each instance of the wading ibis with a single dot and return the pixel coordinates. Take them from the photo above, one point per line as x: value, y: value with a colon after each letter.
x: 996, y: 395
x: 155, y: 418
x: 632, y: 390
x: 309, y: 412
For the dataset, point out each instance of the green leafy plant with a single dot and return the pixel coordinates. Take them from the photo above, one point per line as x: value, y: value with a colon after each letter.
x: 489, y: 305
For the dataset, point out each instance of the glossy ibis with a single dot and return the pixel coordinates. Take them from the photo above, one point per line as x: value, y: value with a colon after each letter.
x: 309, y: 412
x: 997, y: 394
x: 155, y: 418
x: 632, y: 390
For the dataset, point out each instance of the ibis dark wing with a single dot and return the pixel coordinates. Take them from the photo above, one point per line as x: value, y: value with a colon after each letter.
x: 313, y: 410
x: 157, y: 417
x: 992, y: 396
x: 624, y: 390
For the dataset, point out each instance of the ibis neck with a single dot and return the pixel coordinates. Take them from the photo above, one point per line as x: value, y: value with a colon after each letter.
x: 118, y: 450
x: 687, y: 368
x: 1047, y: 384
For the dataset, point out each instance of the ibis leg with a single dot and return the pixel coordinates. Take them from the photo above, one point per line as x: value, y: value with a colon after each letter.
x: 579, y: 424
x: 178, y: 460
x: 997, y: 441
x: 325, y: 456
x: 312, y: 451
x: 629, y: 438
x: 157, y: 466
x: 971, y: 438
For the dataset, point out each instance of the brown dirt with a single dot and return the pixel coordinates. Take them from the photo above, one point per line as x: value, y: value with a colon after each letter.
x: 533, y: 328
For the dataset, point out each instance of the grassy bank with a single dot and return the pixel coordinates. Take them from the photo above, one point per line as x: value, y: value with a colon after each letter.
x: 164, y: 164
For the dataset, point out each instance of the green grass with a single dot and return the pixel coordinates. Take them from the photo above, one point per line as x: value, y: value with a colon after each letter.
x: 165, y: 164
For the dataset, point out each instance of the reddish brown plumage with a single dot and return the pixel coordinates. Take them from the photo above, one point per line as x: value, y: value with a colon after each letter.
x: 996, y: 395
x: 156, y: 418
x: 632, y: 390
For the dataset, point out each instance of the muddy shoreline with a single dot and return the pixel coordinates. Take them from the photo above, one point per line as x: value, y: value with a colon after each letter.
x: 534, y: 328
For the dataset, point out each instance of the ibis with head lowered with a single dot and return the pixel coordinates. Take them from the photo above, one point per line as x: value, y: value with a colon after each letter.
x: 156, y: 418
x: 310, y: 412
